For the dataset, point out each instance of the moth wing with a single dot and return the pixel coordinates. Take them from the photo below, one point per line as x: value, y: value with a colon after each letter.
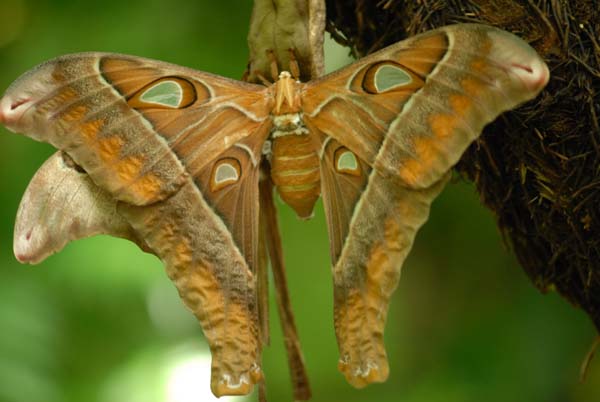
x: 138, y: 127
x: 62, y: 204
x: 411, y: 109
x: 403, y: 116
x: 180, y: 149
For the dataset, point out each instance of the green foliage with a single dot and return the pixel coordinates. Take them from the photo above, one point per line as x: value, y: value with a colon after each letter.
x: 100, y: 321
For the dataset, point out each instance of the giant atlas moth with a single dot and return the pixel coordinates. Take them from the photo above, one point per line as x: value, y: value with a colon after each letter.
x: 176, y: 159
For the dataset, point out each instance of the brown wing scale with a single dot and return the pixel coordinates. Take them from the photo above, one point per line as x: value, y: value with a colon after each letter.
x: 230, y: 184
x: 149, y: 134
x: 407, y: 113
x: 342, y: 188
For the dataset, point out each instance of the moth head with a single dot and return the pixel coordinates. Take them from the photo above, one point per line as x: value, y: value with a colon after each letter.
x: 286, y: 94
x: 285, y: 75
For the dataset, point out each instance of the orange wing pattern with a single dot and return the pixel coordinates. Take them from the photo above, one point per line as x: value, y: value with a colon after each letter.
x: 181, y: 149
x: 404, y: 115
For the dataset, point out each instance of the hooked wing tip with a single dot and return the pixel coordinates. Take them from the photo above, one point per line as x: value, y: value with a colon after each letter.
x: 519, y: 60
x: 28, y: 249
x: 11, y: 110
x: 534, y: 76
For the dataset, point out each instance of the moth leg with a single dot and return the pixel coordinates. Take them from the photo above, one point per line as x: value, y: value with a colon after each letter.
x: 300, y: 382
x: 213, y: 280
x: 246, y: 74
x: 368, y: 272
x: 273, y: 64
x: 263, y: 80
x: 294, y: 66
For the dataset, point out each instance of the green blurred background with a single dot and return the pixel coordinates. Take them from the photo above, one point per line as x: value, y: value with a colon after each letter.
x: 101, y: 322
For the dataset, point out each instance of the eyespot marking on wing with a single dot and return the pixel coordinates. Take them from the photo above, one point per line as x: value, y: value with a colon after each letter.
x: 346, y: 162
x: 167, y: 93
x: 388, y: 76
x: 225, y: 172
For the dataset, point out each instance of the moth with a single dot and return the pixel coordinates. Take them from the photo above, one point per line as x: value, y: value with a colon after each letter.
x: 179, y: 160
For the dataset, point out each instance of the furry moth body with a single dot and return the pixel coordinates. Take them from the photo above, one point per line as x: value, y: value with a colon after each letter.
x: 178, y: 154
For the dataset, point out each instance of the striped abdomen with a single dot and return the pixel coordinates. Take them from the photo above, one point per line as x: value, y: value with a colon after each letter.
x: 295, y: 172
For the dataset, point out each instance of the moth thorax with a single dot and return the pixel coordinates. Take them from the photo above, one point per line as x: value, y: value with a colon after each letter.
x: 288, y: 124
x: 295, y: 172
